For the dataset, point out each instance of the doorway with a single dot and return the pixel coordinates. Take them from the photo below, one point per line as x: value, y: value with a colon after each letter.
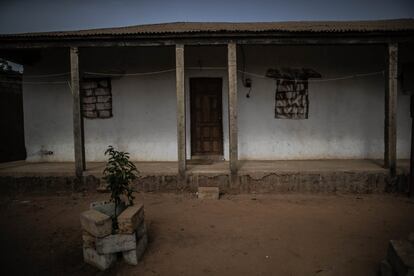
x: 206, y: 110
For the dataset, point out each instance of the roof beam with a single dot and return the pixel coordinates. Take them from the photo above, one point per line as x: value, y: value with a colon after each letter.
x: 127, y: 41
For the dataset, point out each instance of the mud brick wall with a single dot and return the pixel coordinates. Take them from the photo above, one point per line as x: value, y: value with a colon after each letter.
x: 291, y: 99
x: 96, y: 98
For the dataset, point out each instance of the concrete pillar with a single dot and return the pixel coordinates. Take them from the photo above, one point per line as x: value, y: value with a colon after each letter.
x: 78, y: 134
x: 232, y: 75
x: 179, y: 64
x: 390, y: 137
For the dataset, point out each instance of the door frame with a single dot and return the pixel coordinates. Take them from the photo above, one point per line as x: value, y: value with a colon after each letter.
x: 206, y: 156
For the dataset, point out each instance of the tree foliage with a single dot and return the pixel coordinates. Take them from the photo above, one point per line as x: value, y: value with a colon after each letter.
x: 5, y: 66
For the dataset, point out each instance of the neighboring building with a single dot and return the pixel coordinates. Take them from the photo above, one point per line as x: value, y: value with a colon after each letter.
x: 12, y: 146
x: 129, y: 86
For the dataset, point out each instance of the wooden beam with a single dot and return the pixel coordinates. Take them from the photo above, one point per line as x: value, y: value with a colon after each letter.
x: 207, y: 39
x: 232, y: 76
x: 179, y: 65
x: 78, y: 134
x: 390, y: 139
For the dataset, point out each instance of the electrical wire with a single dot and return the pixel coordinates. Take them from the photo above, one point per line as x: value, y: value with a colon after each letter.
x: 188, y: 68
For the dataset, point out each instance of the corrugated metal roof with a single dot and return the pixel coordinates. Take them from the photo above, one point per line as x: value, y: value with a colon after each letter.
x: 228, y: 27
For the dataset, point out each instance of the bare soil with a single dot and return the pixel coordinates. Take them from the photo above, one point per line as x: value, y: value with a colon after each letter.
x: 238, y: 235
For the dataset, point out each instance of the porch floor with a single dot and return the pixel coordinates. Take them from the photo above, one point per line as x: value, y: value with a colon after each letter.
x: 246, y: 167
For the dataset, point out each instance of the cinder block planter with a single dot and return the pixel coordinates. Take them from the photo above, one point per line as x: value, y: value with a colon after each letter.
x: 101, y: 245
x: 400, y: 258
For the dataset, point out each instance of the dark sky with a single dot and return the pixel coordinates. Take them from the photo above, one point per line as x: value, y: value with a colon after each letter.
x: 48, y: 15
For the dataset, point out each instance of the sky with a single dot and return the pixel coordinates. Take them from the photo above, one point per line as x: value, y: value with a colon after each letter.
x: 18, y: 16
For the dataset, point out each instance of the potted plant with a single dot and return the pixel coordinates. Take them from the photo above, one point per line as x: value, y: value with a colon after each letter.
x: 115, y: 226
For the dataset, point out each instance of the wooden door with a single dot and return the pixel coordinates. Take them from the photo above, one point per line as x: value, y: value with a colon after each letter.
x: 206, y: 118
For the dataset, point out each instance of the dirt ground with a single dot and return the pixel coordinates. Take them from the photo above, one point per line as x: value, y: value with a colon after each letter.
x: 237, y: 235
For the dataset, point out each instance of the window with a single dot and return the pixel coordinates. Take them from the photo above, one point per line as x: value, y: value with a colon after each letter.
x: 291, y: 97
x: 96, y: 98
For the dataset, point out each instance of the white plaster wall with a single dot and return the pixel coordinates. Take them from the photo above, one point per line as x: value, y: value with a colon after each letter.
x: 144, y: 107
x: 345, y: 117
x: 47, y: 110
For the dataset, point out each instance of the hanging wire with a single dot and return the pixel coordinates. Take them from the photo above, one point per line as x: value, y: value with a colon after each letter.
x: 173, y: 69
x: 47, y: 75
x: 130, y: 74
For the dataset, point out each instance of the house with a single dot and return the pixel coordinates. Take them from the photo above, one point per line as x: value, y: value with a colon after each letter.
x: 269, y: 98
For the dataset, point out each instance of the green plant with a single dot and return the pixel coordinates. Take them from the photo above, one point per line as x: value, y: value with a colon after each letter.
x: 119, y: 173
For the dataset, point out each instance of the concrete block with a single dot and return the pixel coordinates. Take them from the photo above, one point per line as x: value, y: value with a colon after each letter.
x: 100, y: 261
x: 386, y: 269
x: 102, y: 91
x: 400, y: 255
x: 88, y: 92
x: 107, y: 207
x: 89, y: 100
x: 88, y: 85
x: 208, y: 193
x: 89, y: 241
x: 116, y: 243
x: 141, y: 230
x: 131, y: 218
x: 104, y: 114
x: 88, y: 107
x: 96, y: 223
x: 103, y: 106
x: 103, y: 99
x: 103, y: 83
x: 91, y: 114
x: 133, y: 256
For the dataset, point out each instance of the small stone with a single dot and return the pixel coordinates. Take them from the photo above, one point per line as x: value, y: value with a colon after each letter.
x: 100, y: 261
x: 133, y: 256
x: 208, y: 193
x: 96, y: 223
x: 400, y: 255
x: 116, y: 243
x: 386, y: 269
x: 131, y: 218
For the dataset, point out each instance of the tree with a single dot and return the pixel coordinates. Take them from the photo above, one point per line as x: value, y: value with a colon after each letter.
x: 5, y: 66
